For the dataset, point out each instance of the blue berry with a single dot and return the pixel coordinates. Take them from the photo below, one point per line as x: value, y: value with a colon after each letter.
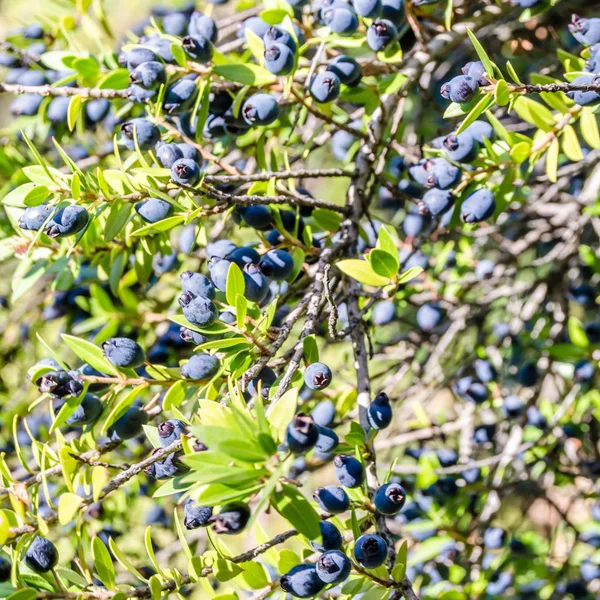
x: 96, y: 110
x: 167, y: 154
x: 436, y: 202
x: 278, y: 35
x: 341, y: 20
x: 317, y: 376
x: 367, y: 8
x: 266, y: 378
x: 41, y: 556
x: 331, y: 537
x: 478, y: 206
x: 123, y: 352
x: 302, y: 581
x: 257, y: 216
x: 349, y: 72
x: 277, y: 264
x: 195, y: 516
x: 200, y: 366
x: 279, y: 59
x: 185, y: 172
x: 480, y: 130
x: 471, y: 391
x: 149, y: 75
x: 162, y: 48
x: 254, y: 24
x: 381, y: 34
x: 190, y: 152
x: 220, y: 249
x: 389, y: 498
x: 5, y: 569
x: 476, y: 70
x: 175, y: 24
x: 428, y: 317
x: 325, y: 87
x: 35, y: 216
x: 394, y: 11
x: 146, y: 132
x: 324, y: 413
x: 484, y: 370
x: 60, y: 384
x: 198, y: 47
x: 332, y: 499
x: 260, y: 109
x: 333, y: 567
x: 197, y: 284
x: 29, y: 77
x: 203, y: 25
x: 585, y: 31
x: 494, y: 538
x: 58, y: 109
x: 349, y: 471
x: 231, y: 519
x: 528, y: 375
x: 460, y: 89
x: 257, y: 285
x: 370, y: 551
x: 87, y: 412
x: 192, y: 337
x: 138, y: 94
x: 591, y: 98
x: 383, y: 312
x: 327, y: 440
x: 170, y: 431
x: 218, y: 269
x: 535, y: 418
x: 180, y: 96
x: 484, y: 269
x: 198, y: 310
x: 153, y: 209
x: 413, y: 223
x: 85, y: 369
x: 302, y: 434
x: 244, y: 255
x: 130, y: 425
x: 379, y: 412
x: 166, y: 468
x: 67, y: 221
x: 584, y: 371
x: 461, y: 147
x: 513, y: 406
x: 136, y: 56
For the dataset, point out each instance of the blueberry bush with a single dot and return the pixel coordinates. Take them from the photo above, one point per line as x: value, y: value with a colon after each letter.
x: 300, y: 297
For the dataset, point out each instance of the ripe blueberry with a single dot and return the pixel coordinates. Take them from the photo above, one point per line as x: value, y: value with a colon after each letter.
x: 130, y: 425
x: 302, y: 581
x: 196, y: 516
x: 153, y: 209
x: 60, y: 384
x: 67, y: 221
x: 170, y: 431
x: 260, y: 109
x: 180, y: 96
x: 340, y: 19
x: 35, y: 216
x: 325, y: 87
x: 349, y: 72
x: 333, y: 567
x: 324, y: 413
x: 231, y: 519
x: 460, y: 89
x: 478, y: 206
x: 381, y: 34
x: 389, y: 498
x: 185, y: 172
x: 317, y: 376
x: 146, y: 132
x: 257, y: 285
x: 123, y: 352
x: 370, y: 551
x: 149, y: 75
x: 197, y: 284
x: 42, y: 555
x: 277, y: 264
x: 302, y: 434
x: 428, y: 317
x: 349, y: 471
x: 327, y: 440
x: 87, y: 412
x: 198, y: 47
x: 379, y: 412
x: 279, y: 59
x: 200, y: 366
x: 331, y: 537
x: 332, y: 499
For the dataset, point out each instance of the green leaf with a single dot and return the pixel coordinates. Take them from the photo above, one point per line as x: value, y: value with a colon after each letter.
x: 552, y: 161
x: 68, y: 505
x: 247, y: 74
x: 355, y: 525
x: 89, y: 353
x: 256, y: 44
x: 484, y: 103
x: 327, y: 219
x: 241, y: 309
x: 103, y: 563
x: 588, y: 125
x: 520, y: 152
x: 282, y: 412
x: 18, y: 195
x: 292, y: 505
x: 483, y: 57
x: 175, y: 395
x: 428, y: 462
x: 36, y: 196
x: 535, y: 113
x: 399, y: 570
x: 448, y: 15
x: 73, y: 112
x: 24, y: 594
x: 513, y: 74
x: 160, y: 226
x: 383, y: 264
x: 362, y: 271
x: 501, y: 93
x: 76, y: 186
x: 230, y: 443
x: 409, y: 274
x: 577, y: 333
x: 125, y: 562
x: 570, y: 144
x: 235, y: 284
x: 429, y: 549
x: 386, y: 241
x: 179, y: 54
x: 310, y: 349
x: 116, y: 80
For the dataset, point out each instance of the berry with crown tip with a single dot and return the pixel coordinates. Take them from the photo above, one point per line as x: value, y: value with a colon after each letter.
x: 278, y: 35
x: 266, y: 378
x: 185, y: 172
x: 149, y: 75
x: 123, y: 352
x: 302, y: 581
x: 138, y: 94
x: 153, y: 209
x: 331, y: 538
x: 478, y: 206
x: 277, y: 264
x: 349, y: 72
x: 35, y: 216
x: 197, y: 284
x: 370, y: 551
x: 585, y: 31
x: 333, y: 567
x: 460, y: 89
x: 129, y: 425
x: 302, y: 434
x: 200, y: 366
x: 428, y: 317
x: 260, y: 109
x: 389, y: 498
x: 170, y: 431
x: 166, y: 468
x: 66, y: 221
x: 147, y: 134
x: 192, y: 337
x: 60, y: 384
x: 325, y: 87
x: 461, y: 147
x: 232, y: 518
x: 317, y: 376
x: 87, y: 412
x: 349, y: 471
x: 41, y: 555
x: 278, y: 59
x: 332, y: 499
x: 198, y: 47
x: 381, y: 34
x: 379, y: 412
x: 195, y: 516
x: 324, y: 413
